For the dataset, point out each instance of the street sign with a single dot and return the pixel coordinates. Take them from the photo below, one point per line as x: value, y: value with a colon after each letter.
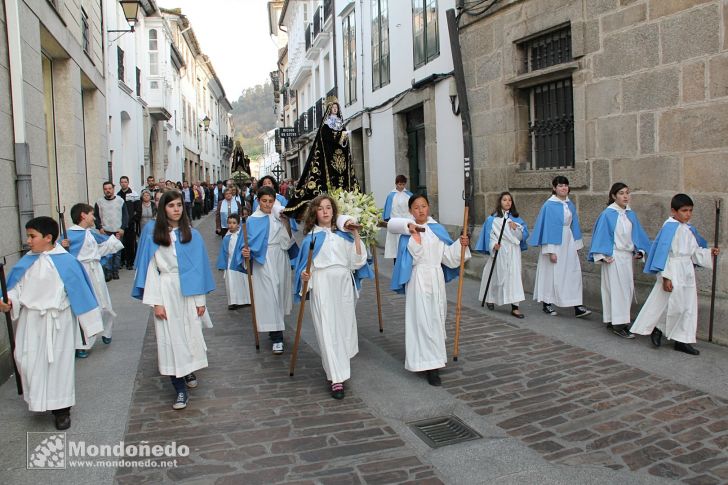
x: 288, y: 132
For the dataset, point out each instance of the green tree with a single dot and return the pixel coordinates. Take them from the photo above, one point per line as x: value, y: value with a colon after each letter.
x: 253, y: 115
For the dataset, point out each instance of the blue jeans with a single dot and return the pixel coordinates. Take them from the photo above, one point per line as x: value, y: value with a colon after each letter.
x: 112, y: 263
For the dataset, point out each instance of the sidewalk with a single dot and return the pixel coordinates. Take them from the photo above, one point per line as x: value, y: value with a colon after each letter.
x: 557, y: 400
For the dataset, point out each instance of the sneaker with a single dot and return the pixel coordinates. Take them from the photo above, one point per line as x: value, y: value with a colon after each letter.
x: 81, y: 354
x: 621, y: 331
x: 581, y: 311
x: 181, y: 401
x: 191, y: 380
x: 548, y: 308
x: 106, y: 340
x: 337, y: 390
x: 433, y: 377
x: 278, y: 348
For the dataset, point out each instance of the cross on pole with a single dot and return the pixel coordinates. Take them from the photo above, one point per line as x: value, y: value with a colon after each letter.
x: 277, y: 172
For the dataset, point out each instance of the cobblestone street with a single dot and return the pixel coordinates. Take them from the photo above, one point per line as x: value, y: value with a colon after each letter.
x: 248, y: 422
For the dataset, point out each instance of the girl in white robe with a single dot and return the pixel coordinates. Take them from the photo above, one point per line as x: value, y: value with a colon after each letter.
x: 557, y: 232
x: 506, y: 286
x: 617, y: 240
x: 236, y: 282
x: 395, y: 206
x: 333, y: 289
x: 420, y: 273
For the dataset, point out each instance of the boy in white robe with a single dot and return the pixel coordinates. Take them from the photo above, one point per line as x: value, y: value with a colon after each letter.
x: 395, y: 206
x: 269, y: 238
x: 48, y: 291
x: 236, y: 282
x: 672, y: 307
x: 89, y: 248
x: 420, y: 273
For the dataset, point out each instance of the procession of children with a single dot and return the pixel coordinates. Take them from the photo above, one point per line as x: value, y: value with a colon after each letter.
x: 268, y: 260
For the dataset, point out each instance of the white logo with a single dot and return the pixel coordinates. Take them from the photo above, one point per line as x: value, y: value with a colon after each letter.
x: 46, y: 451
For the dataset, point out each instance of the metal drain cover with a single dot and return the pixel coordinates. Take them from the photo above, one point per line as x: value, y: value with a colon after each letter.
x: 443, y: 431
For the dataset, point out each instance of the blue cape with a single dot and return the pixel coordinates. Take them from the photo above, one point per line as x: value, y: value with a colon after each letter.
x: 258, y: 228
x: 77, y: 238
x: 550, y: 222
x: 195, y: 275
x: 222, y: 258
x: 388, y: 204
x: 77, y: 283
x: 284, y: 203
x: 318, y: 238
x: 660, y: 250
x: 483, y: 244
x: 403, y: 267
x: 603, y: 234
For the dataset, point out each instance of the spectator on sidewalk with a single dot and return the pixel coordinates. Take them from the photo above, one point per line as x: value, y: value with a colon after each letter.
x: 145, y: 211
x: 111, y: 219
x: 218, y: 193
x: 130, y: 234
x: 198, y: 201
x: 188, y: 197
x: 225, y: 208
x: 173, y: 276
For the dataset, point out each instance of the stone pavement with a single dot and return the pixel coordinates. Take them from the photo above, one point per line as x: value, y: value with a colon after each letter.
x: 557, y: 400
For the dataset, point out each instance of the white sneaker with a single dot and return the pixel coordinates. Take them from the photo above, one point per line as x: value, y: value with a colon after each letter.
x: 278, y: 348
x: 181, y: 401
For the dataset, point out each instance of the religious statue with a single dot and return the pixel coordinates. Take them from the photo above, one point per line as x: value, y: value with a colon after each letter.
x: 329, y: 162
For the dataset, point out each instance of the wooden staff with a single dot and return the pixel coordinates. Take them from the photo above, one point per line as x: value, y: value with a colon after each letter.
x: 715, y: 272
x: 495, y: 258
x: 9, y: 322
x: 376, y: 285
x: 249, y: 269
x: 294, y: 354
x: 459, y: 305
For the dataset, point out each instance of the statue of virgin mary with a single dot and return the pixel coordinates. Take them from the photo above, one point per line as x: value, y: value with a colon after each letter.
x: 329, y: 162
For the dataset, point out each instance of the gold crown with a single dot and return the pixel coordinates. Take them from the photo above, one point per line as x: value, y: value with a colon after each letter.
x: 331, y: 99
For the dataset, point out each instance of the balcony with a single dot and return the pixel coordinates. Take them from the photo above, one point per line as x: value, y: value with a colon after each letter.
x: 319, y: 35
x: 328, y: 17
x: 313, y: 48
x: 159, y: 99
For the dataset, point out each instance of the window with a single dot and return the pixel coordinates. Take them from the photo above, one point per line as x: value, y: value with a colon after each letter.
x: 550, y: 104
x: 153, y: 53
x: 425, y: 34
x: 380, y: 44
x: 86, y: 36
x: 120, y: 63
x: 138, y: 82
x: 349, y: 32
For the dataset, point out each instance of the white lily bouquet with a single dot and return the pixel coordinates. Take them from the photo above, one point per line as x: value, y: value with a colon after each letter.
x: 361, y: 206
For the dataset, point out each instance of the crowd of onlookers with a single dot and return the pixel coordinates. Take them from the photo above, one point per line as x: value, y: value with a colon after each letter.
x: 126, y: 212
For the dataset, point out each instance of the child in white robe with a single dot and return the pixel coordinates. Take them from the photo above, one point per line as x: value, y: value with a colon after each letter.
x: 332, y: 285
x: 557, y: 232
x: 395, y: 206
x: 49, y: 293
x: 672, y: 307
x: 173, y: 277
x: 506, y: 286
x: 236, y: 282
x: 617, y: 240
x: 89, y: 248
x: 420, y: 274
x: 269, y: 238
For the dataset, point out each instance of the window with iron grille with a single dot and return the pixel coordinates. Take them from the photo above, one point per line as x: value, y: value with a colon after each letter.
x: 85, y: 34
x: 349, y: 31
x: 380, y: 43
x: 550, y: 104
x: 120, y: 63
x: 425, y: 33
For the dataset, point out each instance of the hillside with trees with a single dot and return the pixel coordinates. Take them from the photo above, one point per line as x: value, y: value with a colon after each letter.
x: 252, y: 116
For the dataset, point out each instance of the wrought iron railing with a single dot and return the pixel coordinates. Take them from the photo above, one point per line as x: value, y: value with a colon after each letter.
x: 317, y: 22
x: 308, y: 37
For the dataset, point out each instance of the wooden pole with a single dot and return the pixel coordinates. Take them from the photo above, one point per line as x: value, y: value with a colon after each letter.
x: 459, y: 305
x: 715, y: 272
x: 376, y: 285
x: 249, y: 269
x: 302, y: 306
x: 9, y: 323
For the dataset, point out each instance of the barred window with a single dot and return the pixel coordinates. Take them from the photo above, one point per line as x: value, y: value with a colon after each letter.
x: 380, y: 43
x: 120, y: 63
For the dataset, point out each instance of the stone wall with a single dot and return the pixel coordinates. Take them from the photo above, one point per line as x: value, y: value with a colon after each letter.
x: 650, y: 89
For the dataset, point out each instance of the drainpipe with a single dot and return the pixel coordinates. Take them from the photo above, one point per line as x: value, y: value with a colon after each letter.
x: 23, y: 183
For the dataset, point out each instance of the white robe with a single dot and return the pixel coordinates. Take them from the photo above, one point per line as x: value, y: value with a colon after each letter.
x: 44, y: 342
x: 506, y: 286
x: 272, y: 285
x: 90, y: 256
x: 236, y: 283
x: 333, y: 303
x: 560, y: 283
x: 675, y: 313
x: 617, y: 276
x: 399, y: 209
x: 426, y: 303
x: 181, y: 347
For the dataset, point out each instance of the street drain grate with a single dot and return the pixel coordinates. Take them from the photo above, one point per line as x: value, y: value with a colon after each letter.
x: 443, y: 431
